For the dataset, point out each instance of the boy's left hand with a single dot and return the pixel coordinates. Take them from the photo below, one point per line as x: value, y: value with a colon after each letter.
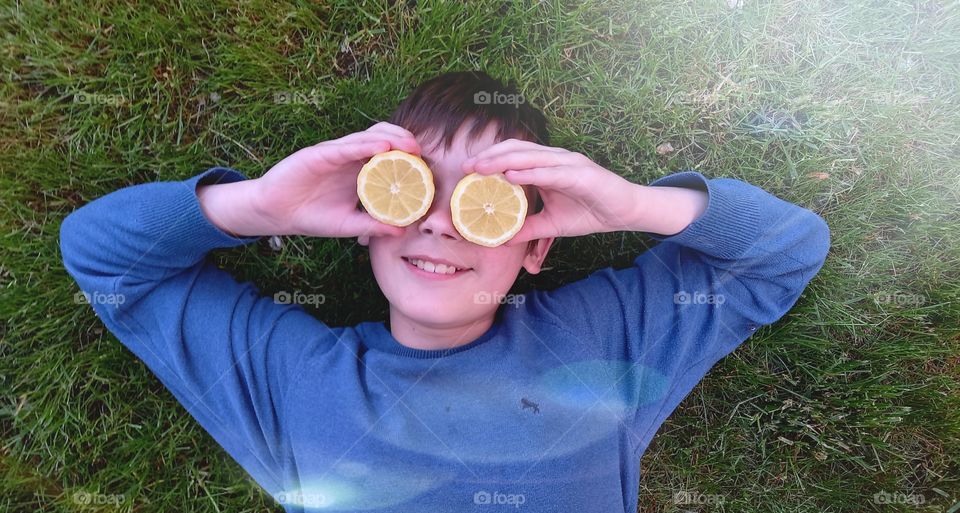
x: 579, y: 196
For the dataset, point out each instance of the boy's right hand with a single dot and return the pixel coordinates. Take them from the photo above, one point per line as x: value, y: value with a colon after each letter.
x: 312, y: 192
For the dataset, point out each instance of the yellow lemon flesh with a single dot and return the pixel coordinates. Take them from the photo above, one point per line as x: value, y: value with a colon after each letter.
x: 395, y: 187
x: 487, y: 209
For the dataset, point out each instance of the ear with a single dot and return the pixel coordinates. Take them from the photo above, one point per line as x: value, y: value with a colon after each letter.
x: 536, y: 254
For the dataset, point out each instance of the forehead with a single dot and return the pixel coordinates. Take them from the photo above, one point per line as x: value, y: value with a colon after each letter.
x: 447, y: 162
x: 461, y: 148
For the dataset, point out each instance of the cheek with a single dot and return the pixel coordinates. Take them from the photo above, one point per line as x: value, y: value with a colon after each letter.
x: 381, y: 251
x: 501, y: 263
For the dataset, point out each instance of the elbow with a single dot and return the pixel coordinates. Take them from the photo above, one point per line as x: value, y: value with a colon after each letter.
x: 769, y: 298
x: 818, y: 242
x: 97, y: 284
x: 815, y: 248
x: 74, y: 248
x: 809, y: 254
x: 67, y: 236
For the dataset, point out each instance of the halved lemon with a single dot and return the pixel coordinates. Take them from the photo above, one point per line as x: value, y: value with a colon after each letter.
x: 395, y: 187
x: 487, y: 209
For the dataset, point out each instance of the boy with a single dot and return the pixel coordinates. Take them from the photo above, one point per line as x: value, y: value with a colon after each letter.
x: 544, y: 402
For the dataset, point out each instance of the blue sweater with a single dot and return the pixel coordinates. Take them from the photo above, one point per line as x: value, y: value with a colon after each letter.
x: 549, y: 410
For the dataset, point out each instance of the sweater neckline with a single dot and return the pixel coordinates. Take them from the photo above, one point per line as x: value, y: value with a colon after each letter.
x: 377, y: 336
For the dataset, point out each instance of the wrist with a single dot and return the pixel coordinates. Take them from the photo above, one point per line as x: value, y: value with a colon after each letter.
x: 666, y: 210
x: 233, y: 208
x: 259, y: 211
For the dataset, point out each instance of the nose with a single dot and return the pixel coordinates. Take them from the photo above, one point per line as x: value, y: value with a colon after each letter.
x: 437, y: 220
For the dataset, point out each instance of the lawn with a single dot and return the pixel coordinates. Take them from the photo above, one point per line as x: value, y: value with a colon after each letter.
x: 851, y: 402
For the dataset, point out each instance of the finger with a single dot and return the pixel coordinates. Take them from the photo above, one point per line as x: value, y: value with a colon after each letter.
x: 387, y: 127
x: 534, y: 227
x: 558, y: 177
x: 323, y: 156
x: 399, y: 141
x: 361, y: 224
x: 340, y: 154
x: 521, y: 159
x: 507, y: 146
x: 407, y: 143
x: 398, y: 132
x: 361, y: 149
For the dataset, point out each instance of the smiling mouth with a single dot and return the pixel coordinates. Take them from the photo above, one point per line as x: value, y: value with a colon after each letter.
x: 435, y: 267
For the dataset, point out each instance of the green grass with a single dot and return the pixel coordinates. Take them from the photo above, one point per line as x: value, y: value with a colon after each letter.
x: 856, y: 392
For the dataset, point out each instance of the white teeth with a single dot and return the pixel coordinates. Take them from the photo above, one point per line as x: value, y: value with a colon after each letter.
x: 432, y: 267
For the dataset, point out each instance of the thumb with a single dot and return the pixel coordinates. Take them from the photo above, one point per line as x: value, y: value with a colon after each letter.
x: 534, y: 227
x: 361, y: 224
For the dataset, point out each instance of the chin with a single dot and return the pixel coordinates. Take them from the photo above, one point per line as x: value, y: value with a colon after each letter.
x: 435, y: 313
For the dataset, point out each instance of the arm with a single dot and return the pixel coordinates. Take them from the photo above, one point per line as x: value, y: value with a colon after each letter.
x: 720, y: 271
x: 740, y: 264
x: 693, y: 298
x: 225, y: 353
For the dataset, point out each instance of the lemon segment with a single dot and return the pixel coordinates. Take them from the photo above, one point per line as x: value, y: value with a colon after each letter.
x: 395, y: 187
x: 487, y: 209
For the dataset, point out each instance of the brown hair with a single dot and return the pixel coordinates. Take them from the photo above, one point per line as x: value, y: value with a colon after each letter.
x: 437, y: 108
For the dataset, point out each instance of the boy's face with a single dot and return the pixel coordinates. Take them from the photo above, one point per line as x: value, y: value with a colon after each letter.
x: 469, y: 295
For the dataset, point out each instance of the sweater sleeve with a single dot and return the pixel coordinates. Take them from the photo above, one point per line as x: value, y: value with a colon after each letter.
x: 695, y: 296
x: 225, y: 352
